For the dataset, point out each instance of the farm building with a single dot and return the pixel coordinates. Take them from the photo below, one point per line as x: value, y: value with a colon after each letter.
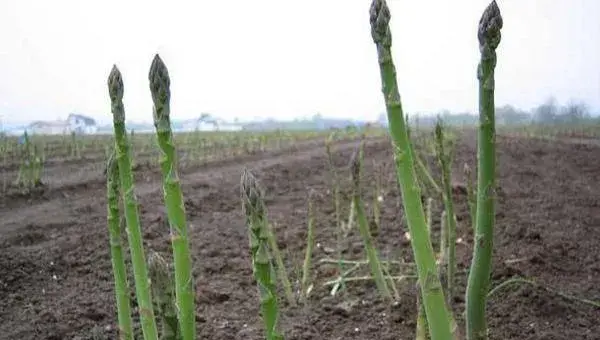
x: 81, y: 124
x: 56, y: 127
x: 77, y: 123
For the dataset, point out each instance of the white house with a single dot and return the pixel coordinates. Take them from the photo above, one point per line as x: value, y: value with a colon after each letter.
x: 79, y: 124
x: 57, y: 127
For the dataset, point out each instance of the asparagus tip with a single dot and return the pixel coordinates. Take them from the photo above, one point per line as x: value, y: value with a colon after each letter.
x: 355, y: 165
x: 380, y: 18
x: 250, y: 193
x: 115, y: 84
x: 159, y: 86
x: 490, y: 25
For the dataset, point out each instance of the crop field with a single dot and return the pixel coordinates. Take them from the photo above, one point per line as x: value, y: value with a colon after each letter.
x: 395, y: 230
x: 56, y: 279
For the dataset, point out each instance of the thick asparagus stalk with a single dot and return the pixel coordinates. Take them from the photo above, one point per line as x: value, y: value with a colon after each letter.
x: 122, y: 149
x: 264, y: 272
x: 489, y: 37
x: 431, y: 289
x: 116, y: 250
x: 173, y: 197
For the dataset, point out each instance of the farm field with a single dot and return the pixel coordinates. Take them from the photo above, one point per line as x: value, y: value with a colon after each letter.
x: 56, y: 280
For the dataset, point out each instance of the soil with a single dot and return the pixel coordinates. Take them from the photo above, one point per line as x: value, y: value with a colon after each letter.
x: 56, y: 275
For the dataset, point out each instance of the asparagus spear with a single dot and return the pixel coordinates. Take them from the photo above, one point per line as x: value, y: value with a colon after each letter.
x: 432, y: 294
x: 173, y: 197
x: 489, y: 38
x: 254, y: 209
x: 140, y: 272
x: 116, y: 250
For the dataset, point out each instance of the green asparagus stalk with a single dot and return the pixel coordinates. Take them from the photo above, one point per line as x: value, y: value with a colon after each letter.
x: 173, y: 197
x: 310, y: 242
x: 255, y: 211
x: 489, y: 37
x: 363, y: 225
x: 162, y: 290
x: 444, y: 160
x: 122, y: 149
x: 116, y: 251
x: 421, y: 331
x: 470, y: 195
x: 432, y: 294
x: 281, y: 270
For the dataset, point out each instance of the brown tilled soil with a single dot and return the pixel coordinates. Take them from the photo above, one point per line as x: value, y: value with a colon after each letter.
x: 55, y: 269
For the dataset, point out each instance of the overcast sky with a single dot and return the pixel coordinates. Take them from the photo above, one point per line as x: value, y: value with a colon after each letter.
x: 284, y: 58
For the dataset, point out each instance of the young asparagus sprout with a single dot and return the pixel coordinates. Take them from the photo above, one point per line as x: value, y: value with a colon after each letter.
x: 164, y: 296
x: 310, y: 241
x: 445, y: 159
x: 363, y: 225
x: 437, y: 313
x: 116, y: 250
x: 254, y: 209
x: 173, y: 197
x: 281, y: 270
x: 122, y: 152
x: 489, y: 37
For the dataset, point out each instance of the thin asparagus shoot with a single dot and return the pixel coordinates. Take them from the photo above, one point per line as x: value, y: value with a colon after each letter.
x: 444, y: 159
x: 310, y: 241
x: 489, y: 37
x: 116, y: 251
x: 136, y: 247
x: 281, y: 270
x: 363, y: 225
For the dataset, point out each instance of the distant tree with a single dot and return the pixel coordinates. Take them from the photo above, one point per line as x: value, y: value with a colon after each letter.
x: 575, y: 112
x: 547, y: 112
x: 509, y: 115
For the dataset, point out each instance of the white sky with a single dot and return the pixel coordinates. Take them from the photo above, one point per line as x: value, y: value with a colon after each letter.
x: 284, y: 58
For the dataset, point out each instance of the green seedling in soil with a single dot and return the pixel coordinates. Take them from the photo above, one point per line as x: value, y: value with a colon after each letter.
x: 75, y: 148
x: 30, y: 170
x: 134, y: 234
x: 423, y: 175
x: 164, y: 297
x: 489, y: 37
x: 255, y: 212
x: 437, y: 313
x: 363, y: 225
x: 173, y: 198
x: 116, y: 250
x: 281, y: 270
x: 377, y: 200
x: 444, y: 157
x: 305, y: 285
x: 335, y: 187
x: 421, y: 330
